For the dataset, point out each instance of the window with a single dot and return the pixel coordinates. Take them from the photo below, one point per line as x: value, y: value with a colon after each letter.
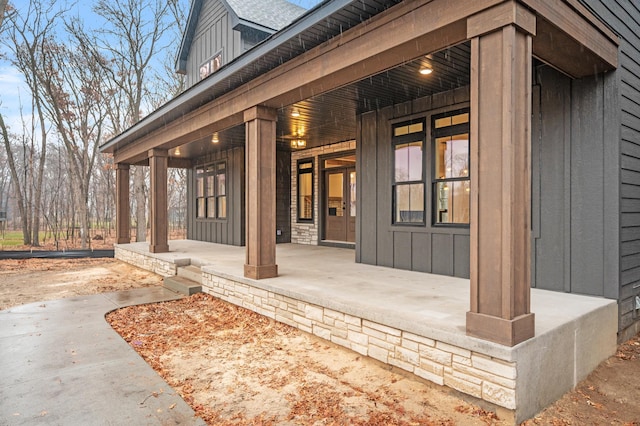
x: 408, y: 180
x: 305, y: 190
x: 451, y: 184
x: 211, y: 191
x: 210, y: 66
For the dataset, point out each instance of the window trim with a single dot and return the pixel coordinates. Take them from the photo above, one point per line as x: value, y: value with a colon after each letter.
x: 211, y: 170
x: 311, y: 171
x: 400, y: 140
x: 455, y: 129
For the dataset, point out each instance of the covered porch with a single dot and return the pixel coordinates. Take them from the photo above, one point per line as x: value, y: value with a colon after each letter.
x: 354, y: 82
x: 411, y: 320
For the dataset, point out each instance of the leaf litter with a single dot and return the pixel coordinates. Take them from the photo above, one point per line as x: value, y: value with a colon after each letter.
x: 236, y: 367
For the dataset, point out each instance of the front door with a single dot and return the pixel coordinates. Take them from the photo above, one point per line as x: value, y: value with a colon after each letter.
x: 340, y: 204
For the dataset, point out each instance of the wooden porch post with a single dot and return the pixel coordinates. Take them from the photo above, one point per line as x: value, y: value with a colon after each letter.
x: 158, y: 164
x: 501, y: 184
x: 123, y: 206
x: 260, y: 193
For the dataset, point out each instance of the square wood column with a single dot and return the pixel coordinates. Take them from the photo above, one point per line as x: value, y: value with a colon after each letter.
x: 158, y: 165
x: 501, y: 174
x: 123, y: 206
x: 260, y: 203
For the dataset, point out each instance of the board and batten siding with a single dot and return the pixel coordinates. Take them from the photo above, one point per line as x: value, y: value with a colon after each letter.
x: 232, y: 230
x: 224, y: 231
x: 623, y: 17
x: 574, y: 184
x: 213, y: 33
x: 439, y: 250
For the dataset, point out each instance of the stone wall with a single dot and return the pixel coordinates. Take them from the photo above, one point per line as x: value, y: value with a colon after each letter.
x: 475, y: 374
x: 305, y: 232
x: 145, y: 261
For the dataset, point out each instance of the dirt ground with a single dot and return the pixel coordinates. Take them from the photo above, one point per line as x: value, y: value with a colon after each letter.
x: 34, y: 280
x: 236, y: 367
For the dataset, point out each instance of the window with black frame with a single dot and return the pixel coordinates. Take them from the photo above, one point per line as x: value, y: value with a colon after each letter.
x: 451, y: 184
x: 409, y: 173
x: 305, y: 190
x: 211, y: 191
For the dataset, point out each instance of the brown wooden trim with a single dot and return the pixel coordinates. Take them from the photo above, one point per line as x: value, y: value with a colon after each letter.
x: 259, y: 272
x: 260, y: 113
x: 180, y: 163
x: 158, y: 164
x: 407, y: 31
x: 501, y: 185
x: 193, y: 126
x: 580, y: 25
x: 508, y: 332
x: 260, y: 190
x: 499, y: 16
x: 563, y: 53
x: 123, y: 219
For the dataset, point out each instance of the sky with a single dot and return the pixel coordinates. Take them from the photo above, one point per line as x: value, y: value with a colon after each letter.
x: 14, y: 94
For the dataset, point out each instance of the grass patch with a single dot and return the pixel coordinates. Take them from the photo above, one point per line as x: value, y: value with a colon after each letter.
x: 14, y: 238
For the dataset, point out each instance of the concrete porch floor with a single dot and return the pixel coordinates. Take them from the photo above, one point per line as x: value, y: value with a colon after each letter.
x: 573, y: 333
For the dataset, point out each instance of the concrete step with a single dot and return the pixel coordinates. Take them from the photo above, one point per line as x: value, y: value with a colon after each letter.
x: 190, y: 272
x: 182, y: 285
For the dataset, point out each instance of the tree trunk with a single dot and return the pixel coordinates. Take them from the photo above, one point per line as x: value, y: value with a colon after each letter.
x: 18, y: 189
x: 38, y: 189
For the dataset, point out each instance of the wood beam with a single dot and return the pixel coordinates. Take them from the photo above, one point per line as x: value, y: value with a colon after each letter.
x: 158, y: 164
x: 123, y: 206
x: 190, y: 127
x: 554, y: 47
x: 501, y: 65
x: 573, y: 22
x: 260, y: 192
x: 404, y: 32
x: 180, y: 163
x: 407, y: 31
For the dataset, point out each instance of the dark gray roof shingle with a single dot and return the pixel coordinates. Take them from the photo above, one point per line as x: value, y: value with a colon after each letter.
x: 274, y: 14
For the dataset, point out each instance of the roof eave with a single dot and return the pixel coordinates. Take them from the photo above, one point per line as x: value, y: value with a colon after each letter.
x: 187, y: 37
x: 146, y: 125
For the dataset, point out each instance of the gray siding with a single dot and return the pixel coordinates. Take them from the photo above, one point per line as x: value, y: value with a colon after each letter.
x: 283, y: 196
x: 214, y: 33
x: 440, y: 250
x: 228, y: 231
x: 622, y: 128
x: 572, y: 210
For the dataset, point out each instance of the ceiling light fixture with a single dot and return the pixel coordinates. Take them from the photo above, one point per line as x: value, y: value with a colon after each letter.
x: 426, y: 70
x: 176, y: 152
x: 214, y: 138
x: 298, y: 143
x: 295, y: 112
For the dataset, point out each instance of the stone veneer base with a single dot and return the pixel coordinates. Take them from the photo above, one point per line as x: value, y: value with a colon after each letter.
x: 523, y: 380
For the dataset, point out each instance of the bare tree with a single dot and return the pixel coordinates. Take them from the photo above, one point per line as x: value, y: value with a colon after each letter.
x: 26, y: 38
x: 131, y: 39
x: 3, y: 7
x: 72, y: 79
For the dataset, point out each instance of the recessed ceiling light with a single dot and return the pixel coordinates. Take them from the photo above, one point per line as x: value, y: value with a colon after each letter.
x: 426, y: 70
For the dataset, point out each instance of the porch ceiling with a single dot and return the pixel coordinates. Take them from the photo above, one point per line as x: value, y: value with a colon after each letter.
x: 349, y: 57
x: 331, y: 117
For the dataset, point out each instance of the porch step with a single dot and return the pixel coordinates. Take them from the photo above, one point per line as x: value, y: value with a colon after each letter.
x: 182, y: 285
x: 190, y: 272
